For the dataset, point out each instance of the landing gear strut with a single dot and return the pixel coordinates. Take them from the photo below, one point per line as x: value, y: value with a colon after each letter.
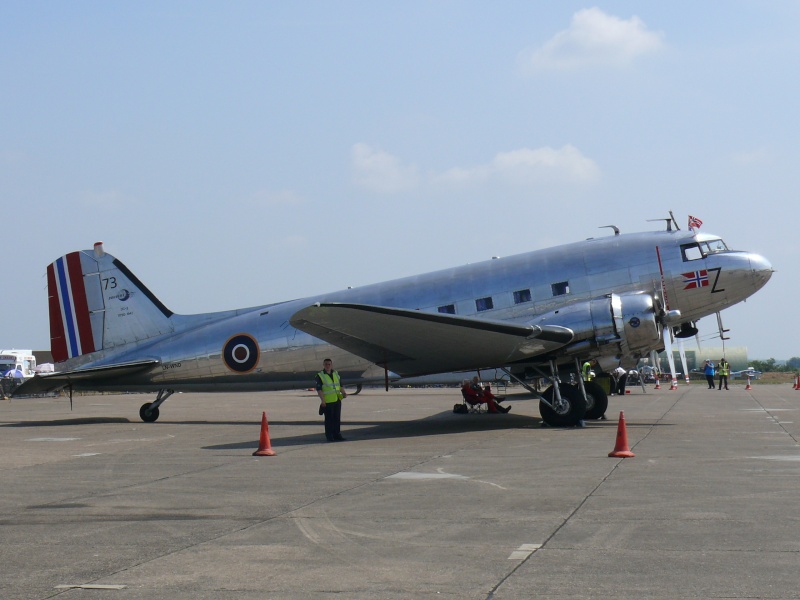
x: 561, y: 404
x: 149, y: 410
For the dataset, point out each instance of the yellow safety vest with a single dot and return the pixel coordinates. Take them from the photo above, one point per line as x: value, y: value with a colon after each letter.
x: 587, y: 371
x: 724, y: 368
x: 331, y: 388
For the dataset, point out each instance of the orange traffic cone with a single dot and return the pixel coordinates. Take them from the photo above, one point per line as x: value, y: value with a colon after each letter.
x: 622, y: 450
x: 797, y: 383
x: 264, y: 446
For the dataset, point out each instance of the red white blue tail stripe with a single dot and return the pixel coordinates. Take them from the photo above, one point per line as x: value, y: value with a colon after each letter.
x: 70, y: 326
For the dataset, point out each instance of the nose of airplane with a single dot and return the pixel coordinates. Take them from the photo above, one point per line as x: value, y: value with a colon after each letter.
x: 761, y: 269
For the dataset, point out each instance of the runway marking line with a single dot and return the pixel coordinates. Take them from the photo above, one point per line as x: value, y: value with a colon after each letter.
x: 90, y: 586
x: 524, y: 551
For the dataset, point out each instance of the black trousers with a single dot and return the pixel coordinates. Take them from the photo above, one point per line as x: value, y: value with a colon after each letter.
x: 710, y: 379
x: 725, y: 379
x: 621, y: 384
x: 333, y: 420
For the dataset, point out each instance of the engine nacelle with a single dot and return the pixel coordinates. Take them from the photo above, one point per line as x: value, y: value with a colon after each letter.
x: 623, y: 324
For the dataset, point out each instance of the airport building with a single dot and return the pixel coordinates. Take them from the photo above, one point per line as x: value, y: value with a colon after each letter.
x: 735, y: 355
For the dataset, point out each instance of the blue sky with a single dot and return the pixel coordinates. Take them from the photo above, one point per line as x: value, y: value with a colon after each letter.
x: 234, y: 154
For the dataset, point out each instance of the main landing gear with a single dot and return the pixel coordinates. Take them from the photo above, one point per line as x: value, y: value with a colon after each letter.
x: 566, y: 405
x: 562, y: 407
x: 149, y: 410
x: 571, y: 407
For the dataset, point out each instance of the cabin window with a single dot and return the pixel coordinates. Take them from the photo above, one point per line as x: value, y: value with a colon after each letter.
x: 561, y: 288
x: 484, y: 303
x: 521, y: 296
x: 449, y: 309
x: 691, y: 252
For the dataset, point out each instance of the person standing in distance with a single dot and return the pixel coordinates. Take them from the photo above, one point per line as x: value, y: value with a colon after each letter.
x: 723, y: 370
x: 331, y: 392
x: 709, y: 371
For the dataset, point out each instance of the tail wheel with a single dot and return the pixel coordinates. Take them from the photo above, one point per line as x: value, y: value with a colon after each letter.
x: 596, y: 400
x: 568, y: 412
x: 147, y: 414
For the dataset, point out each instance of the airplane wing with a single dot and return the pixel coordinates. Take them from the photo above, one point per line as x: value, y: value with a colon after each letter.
x: 412, y: 342
x: 49, y: 382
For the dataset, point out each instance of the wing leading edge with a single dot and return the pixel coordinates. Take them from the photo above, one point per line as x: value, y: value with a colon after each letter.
x: 412, y: 342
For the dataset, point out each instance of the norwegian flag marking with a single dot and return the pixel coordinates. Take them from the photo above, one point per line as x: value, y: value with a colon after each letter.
x: 695, y: 279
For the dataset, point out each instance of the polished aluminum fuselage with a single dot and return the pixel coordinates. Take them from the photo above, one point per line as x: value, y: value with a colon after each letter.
x: 190, y: 354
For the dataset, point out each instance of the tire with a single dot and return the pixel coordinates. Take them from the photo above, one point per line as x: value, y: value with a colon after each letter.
x: 571, y: 411
x: 147, y: 414
x: 597, y: 400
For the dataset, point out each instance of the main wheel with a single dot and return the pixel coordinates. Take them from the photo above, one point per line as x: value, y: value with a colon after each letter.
x: 147, y: 414
x: 596, y: 400
x: 567, y: 413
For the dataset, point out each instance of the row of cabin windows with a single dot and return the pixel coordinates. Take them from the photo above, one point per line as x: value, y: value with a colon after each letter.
x: 481, y: 304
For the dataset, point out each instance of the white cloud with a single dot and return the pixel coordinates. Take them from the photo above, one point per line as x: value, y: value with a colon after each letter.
x: 528, y: 166
x: 595, y: 38
x: 381, y: 172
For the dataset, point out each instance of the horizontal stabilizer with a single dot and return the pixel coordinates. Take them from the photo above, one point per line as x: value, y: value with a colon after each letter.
x: 50, y: 382
x: 412, y: 342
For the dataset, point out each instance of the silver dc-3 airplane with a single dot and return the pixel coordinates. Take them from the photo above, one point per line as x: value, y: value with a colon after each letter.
x: 614, y: 299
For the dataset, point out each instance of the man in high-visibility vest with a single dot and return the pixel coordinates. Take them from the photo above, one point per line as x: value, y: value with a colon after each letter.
x: 723, y: 370
x: 588, y: 373
x: 330, y: 392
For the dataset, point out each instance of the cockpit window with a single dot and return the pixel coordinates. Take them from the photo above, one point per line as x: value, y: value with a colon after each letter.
x: 713, y: 246
x: 699, y: 250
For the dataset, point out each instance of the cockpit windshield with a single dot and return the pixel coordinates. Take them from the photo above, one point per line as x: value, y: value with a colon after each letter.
x: 713, y: 246
x: 701, y: 249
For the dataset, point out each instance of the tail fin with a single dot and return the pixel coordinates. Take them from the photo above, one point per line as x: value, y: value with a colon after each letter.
x: 96, y: 303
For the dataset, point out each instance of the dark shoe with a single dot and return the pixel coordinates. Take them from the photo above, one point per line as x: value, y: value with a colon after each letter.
x: 331, y: 439
x: 339, y: 438
x: 506, y: 409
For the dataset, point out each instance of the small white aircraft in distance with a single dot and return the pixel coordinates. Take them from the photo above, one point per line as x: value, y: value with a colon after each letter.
x: 614, y: 299
x: 748, y: 372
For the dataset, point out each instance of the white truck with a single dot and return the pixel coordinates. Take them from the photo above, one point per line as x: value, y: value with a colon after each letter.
x: 18, y: 360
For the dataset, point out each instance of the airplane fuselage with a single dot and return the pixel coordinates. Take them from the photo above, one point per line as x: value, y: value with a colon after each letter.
x: 603, y: 289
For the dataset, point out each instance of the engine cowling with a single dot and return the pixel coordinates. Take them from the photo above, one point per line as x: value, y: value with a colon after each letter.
x: 621, y: 324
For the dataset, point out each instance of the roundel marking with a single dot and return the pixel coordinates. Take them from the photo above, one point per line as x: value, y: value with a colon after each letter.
x: 240, y: 353
x: 634, y: 322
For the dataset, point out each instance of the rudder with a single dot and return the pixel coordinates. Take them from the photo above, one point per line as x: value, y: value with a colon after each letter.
x: 96, y: 303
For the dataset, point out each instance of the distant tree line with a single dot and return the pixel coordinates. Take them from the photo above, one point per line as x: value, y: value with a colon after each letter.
x: 771, y: 365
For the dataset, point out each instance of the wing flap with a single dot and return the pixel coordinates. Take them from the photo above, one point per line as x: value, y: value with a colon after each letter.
x: 412, y: 342
x: 50, y: 382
